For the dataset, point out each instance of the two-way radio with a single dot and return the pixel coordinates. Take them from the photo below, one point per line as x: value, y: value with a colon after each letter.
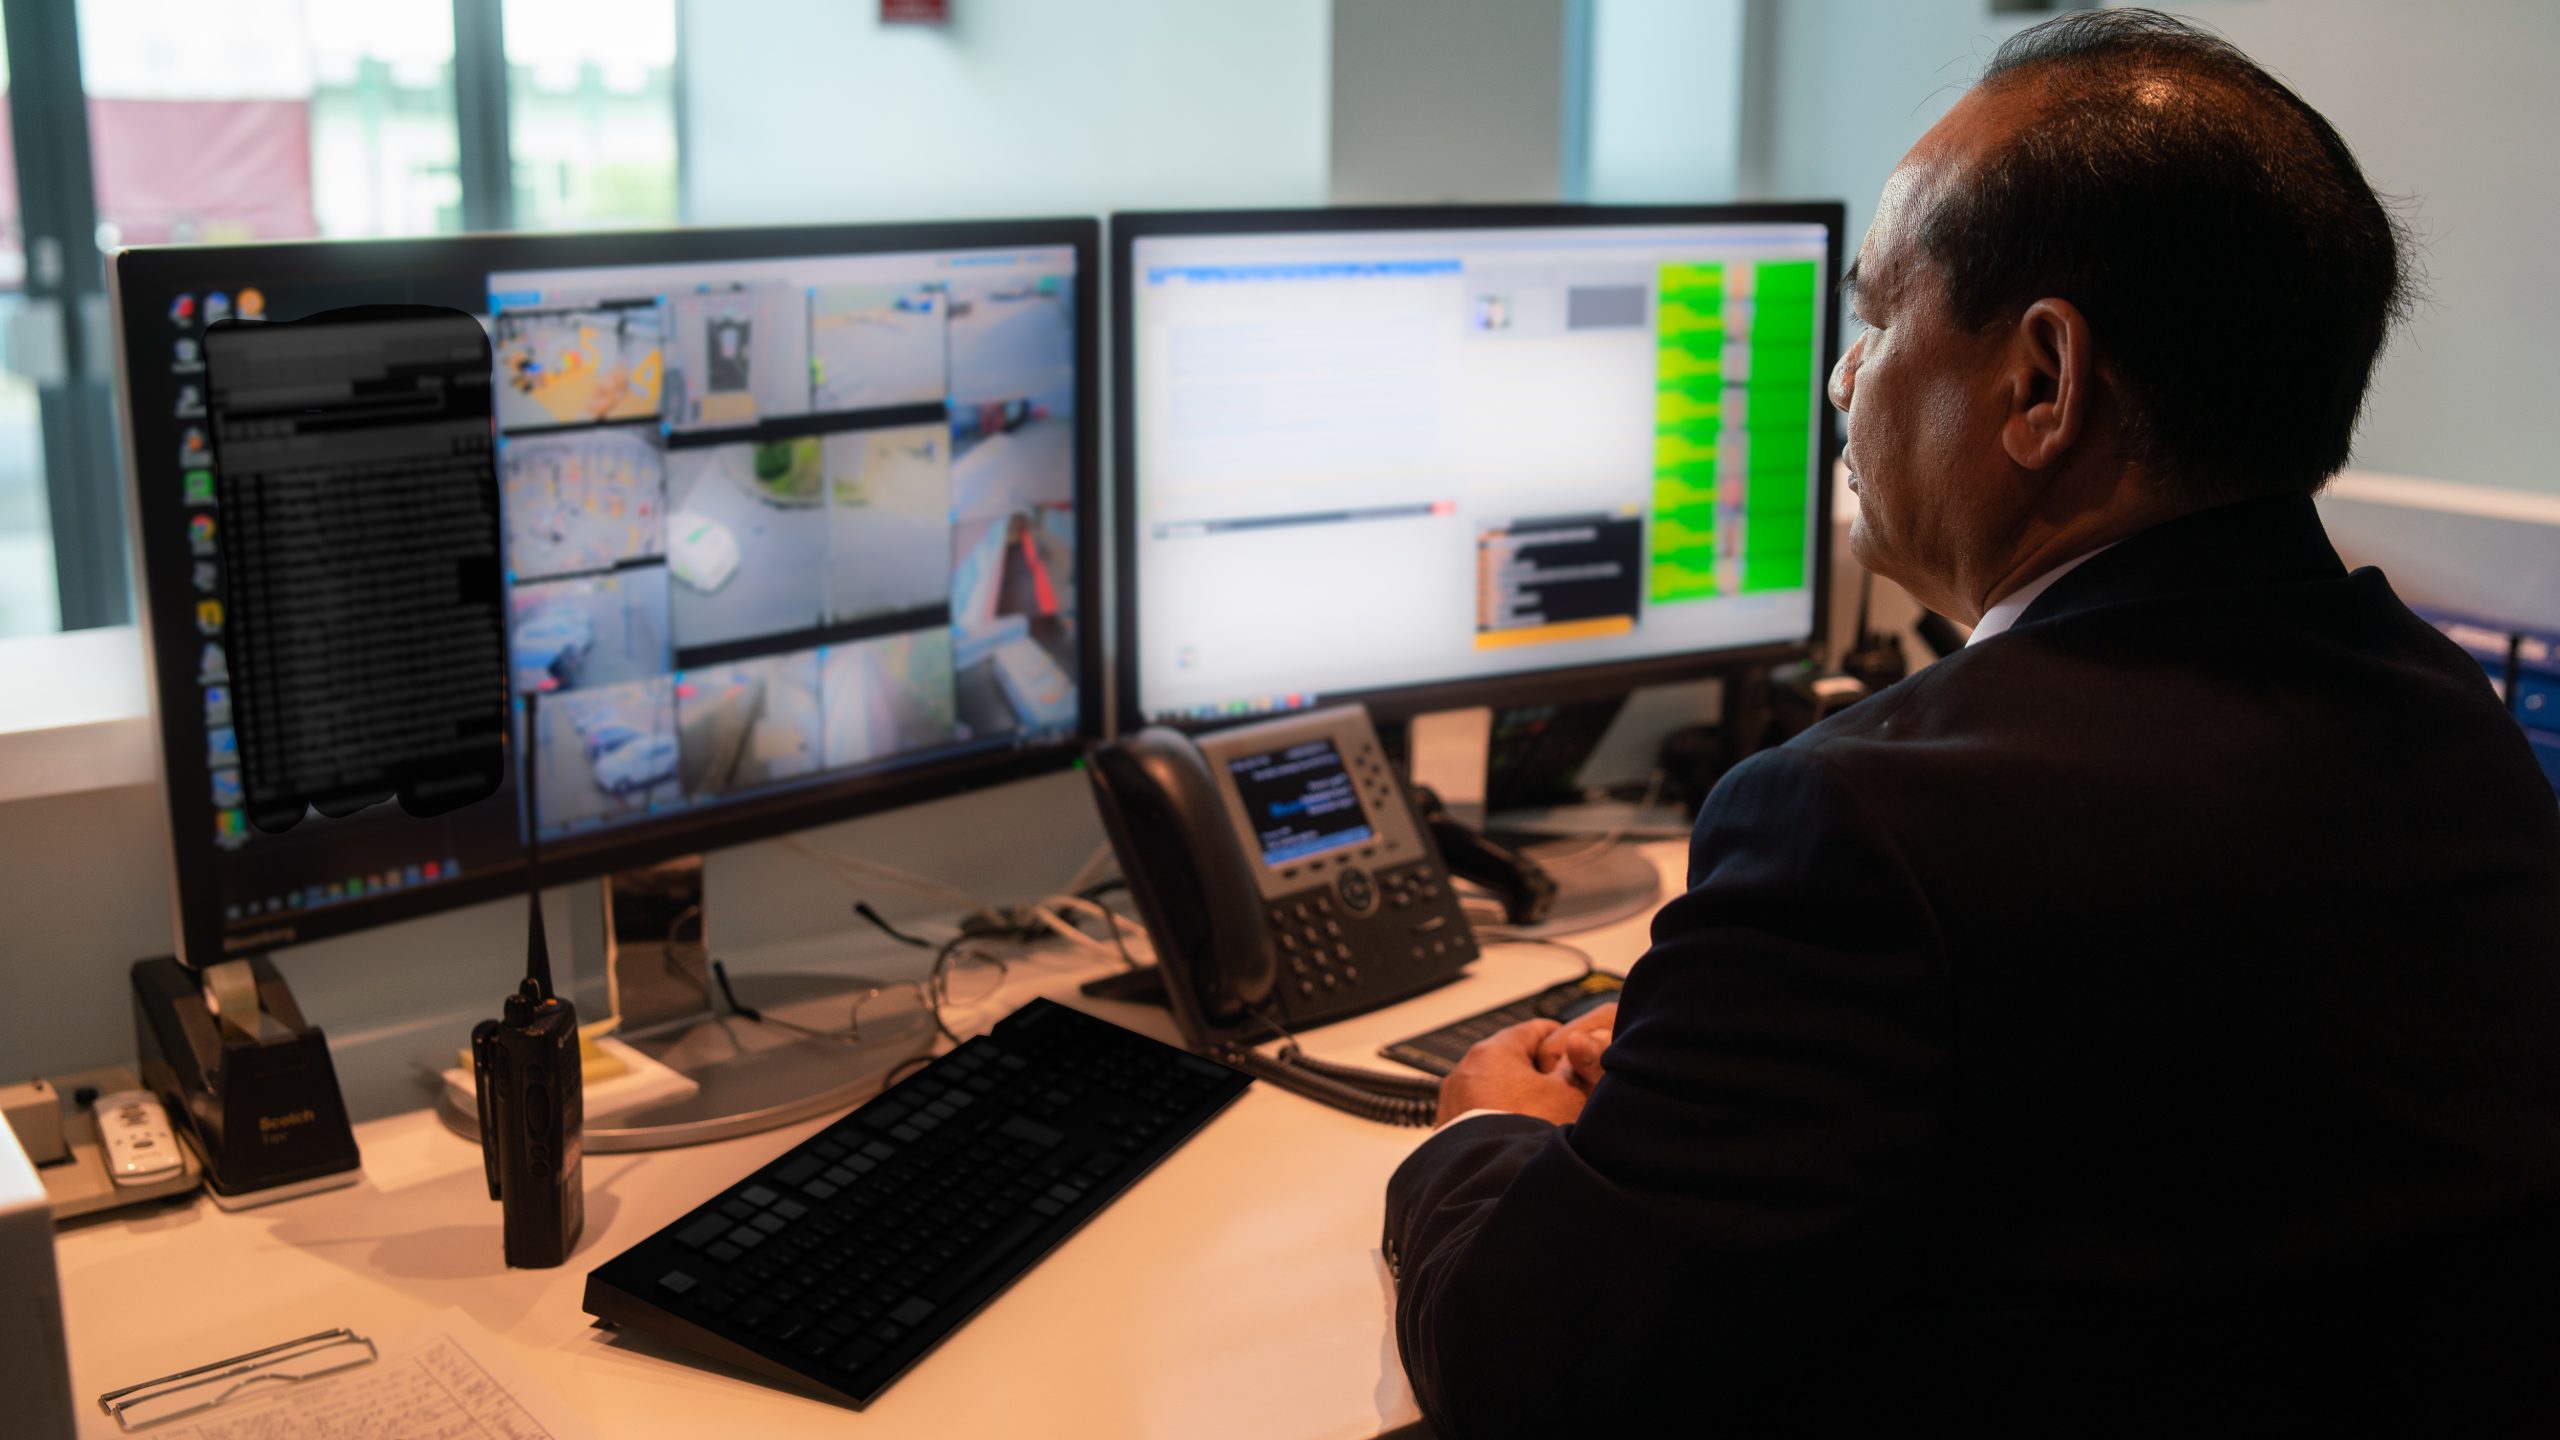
x: 532, y: 1091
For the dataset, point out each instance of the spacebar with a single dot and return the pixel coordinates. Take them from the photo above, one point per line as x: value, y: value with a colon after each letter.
x: 1000, y: 1247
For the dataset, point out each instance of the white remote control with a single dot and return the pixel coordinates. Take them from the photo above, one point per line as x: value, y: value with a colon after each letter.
x: 141, y: 1150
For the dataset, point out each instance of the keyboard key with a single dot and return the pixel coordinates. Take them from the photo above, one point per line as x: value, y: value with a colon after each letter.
x: 1032, y: 1131
x: 703, y: 1231
x: 913, y: 1311
x: 676, y: 1282
x: 758, y: 1196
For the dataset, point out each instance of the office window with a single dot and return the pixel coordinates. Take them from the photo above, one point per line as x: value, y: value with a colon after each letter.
x: 591, y: 112
x: 234, y: 120
x: 28, y: 604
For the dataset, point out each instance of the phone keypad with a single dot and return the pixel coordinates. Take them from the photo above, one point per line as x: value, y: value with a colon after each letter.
x: 1313, y: 946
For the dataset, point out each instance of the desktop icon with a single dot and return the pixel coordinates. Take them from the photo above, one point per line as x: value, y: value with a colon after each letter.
x: 190, y: 356
x: 217, y: 705
x: 222, y: 746
x: 337, y: 890
x: 434, y: 871
x: 182, y: 311
x: 190, y: 401
x: 191, y: 446
x: 217, y: 307
x: 230, y: 829
x: 414, y: 876
x: 253, y: 303
x: 293, y: 901
x: 214, y: 668
x: 209, y: 617
x: 226, y: 788
x: 200, y: 485
x: 230, y: 912
x: 208, y: 577
x: 200, y: 536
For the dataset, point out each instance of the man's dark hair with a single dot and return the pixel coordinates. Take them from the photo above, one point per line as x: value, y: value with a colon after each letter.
x: 2237, y: 270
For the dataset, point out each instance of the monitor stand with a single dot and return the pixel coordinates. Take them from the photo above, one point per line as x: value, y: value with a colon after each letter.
x: 750, y: 1075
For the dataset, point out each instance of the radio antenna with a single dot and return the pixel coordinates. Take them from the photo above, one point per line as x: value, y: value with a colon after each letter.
x: 537, y: 949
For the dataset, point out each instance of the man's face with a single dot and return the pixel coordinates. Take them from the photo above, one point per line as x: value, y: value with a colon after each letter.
x: 1923, y: 399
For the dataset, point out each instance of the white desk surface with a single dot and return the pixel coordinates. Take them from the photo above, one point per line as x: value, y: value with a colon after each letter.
x: 1236, y: 1291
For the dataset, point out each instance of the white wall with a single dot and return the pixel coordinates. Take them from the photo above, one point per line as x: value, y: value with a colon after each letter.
x: 2449, y: 104
x: 1447, y: 100
x: 807, y: 110
x: 1665, y: 101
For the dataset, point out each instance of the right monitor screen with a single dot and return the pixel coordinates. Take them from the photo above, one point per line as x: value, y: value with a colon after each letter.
x: 1369, y: 460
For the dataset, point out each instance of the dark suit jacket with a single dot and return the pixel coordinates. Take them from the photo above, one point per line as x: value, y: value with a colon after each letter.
x: 2145, y: 1021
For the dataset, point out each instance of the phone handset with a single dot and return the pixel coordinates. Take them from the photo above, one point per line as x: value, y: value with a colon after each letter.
x: 1161, y: 807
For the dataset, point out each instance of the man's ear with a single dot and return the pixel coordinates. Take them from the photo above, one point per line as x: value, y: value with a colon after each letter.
x: 2050, y: 380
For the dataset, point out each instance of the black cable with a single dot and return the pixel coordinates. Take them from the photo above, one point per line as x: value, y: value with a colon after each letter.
x: 863, y: 909
x: 720, y: 972
x: 1409, y: 1110
x: 1391, y: 1099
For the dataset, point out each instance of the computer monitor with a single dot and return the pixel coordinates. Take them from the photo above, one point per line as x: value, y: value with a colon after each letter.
x: 1440, y: 457
x: 799, y: 524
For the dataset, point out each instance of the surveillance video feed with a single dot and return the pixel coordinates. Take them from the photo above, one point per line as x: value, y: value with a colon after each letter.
x: 589, y: 631
x: 889, y: 521
x: 588, y: 500
x: 606, y: 754
x: 749, y: 724
x: 579, y: 366
x: 747, y: 541
x: 888, y: 696
x: 741, y: 356
x: 873, y: 346
x: 847, y: 543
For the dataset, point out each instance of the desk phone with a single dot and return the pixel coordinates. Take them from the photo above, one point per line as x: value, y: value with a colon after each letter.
x: 1287, y: 882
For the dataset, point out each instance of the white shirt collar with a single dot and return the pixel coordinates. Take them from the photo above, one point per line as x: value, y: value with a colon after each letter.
x: 2005, y: 614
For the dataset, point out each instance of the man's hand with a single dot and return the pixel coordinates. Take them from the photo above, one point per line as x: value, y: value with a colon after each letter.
x: 1578, y: 1043
x: 1502, y: 1073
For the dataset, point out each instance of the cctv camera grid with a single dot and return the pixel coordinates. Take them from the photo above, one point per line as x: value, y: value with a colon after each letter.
x: 770, y: 580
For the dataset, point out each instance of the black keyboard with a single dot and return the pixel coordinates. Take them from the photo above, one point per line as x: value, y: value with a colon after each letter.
x: 1439, y: 1051
x: 840, y: 1264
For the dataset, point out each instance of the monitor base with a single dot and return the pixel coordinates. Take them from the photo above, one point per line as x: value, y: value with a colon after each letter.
x: 752, y: 1075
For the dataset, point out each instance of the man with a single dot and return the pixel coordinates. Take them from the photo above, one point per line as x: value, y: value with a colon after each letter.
x: 2144, y: 1021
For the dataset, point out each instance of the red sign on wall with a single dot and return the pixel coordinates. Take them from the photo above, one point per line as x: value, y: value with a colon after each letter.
x: 915, y: 12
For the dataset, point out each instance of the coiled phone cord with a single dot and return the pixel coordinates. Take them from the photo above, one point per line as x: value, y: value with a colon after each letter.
x: 1369, y: 1094
x: 1297, y: 1079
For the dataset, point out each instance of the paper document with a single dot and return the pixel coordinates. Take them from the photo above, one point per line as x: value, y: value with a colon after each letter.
x: 446, y: 1380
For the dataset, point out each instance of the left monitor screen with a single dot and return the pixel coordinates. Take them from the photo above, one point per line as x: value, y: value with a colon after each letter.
x: 772, y: 525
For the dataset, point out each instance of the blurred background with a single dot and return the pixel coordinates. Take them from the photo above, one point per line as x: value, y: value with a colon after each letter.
x: 148, y: 121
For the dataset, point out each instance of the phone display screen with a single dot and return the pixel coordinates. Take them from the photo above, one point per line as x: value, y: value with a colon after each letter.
x: 1301, y: 801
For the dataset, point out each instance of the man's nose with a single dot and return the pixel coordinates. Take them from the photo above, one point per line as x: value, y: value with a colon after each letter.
x: 1844, y: 375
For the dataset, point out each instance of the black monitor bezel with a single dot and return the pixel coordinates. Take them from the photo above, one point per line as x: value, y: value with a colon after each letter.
x: 1554, y: 684
x: 161, y: 562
